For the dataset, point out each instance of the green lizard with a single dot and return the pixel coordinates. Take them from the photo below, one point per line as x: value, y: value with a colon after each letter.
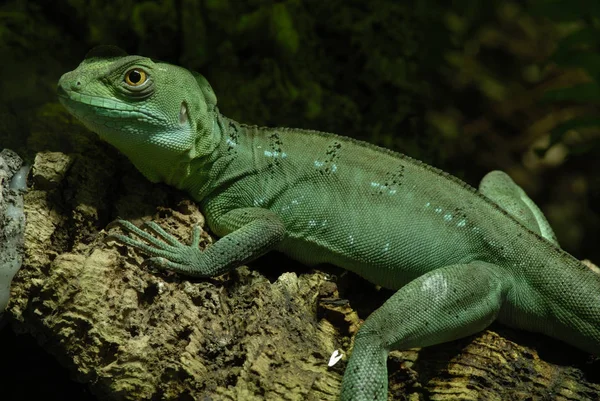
x: 460, y: 258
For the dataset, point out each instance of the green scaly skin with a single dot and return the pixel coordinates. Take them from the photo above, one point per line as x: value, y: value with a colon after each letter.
x: 460, y: 258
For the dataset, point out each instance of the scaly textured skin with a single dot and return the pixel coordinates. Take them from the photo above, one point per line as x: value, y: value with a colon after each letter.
x: 458, y: 257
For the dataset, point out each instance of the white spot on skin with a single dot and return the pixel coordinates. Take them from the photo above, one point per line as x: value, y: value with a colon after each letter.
x: 436, y: 286
x: 351, y: 238
x: 268, y: 153
x: 438, y: 210
x: 386, y: 247
x: 318, y: 163
x: 447, y: 217
x: 315, y: 223
x: 293, y: 202
x: 462, y: 223
x: 381, y: 186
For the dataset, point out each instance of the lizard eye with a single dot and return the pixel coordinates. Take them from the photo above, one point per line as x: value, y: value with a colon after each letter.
x: 135, y: 77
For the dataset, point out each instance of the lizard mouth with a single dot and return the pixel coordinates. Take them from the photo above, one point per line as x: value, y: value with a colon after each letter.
x: 85, y: 105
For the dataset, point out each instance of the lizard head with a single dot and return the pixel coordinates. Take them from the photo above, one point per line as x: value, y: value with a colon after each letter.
x: 159, y: 115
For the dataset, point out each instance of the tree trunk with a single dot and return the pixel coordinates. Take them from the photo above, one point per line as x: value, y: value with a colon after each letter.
x: 136, y: 334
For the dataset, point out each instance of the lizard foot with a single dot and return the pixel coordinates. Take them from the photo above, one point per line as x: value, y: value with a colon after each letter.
x: 166, y: 251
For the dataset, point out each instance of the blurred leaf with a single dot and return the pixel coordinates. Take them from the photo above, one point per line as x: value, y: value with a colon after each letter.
x: 586, y: 60
x: 588, y: 147
x: 581, y: 122
x: 558, y: 133
x: 582, y: 93
x: 577, y: 50
x: 565, y: 10
x: 589, y: 36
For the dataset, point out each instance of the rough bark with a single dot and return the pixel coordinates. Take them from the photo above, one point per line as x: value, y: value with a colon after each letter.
x: 12, y: 221
x: 137, y: 334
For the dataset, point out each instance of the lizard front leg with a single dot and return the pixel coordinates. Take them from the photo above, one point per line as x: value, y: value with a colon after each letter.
x: 246, y: 234
x: 442, y: 305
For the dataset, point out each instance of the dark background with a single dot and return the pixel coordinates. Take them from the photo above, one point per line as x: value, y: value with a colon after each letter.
x: 468, y: 86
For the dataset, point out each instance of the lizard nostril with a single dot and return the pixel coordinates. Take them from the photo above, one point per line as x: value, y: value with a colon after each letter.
x: 75, y: 86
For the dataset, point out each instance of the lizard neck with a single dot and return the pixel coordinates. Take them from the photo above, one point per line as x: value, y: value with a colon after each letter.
x: 213, y: 165
x: 178, y: 166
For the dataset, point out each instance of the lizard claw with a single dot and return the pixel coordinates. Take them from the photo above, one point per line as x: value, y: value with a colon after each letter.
x: 155, y: 262
x: 164, y: 264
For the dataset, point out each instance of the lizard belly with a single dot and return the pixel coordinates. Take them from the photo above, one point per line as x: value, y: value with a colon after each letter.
x: 389, y: 247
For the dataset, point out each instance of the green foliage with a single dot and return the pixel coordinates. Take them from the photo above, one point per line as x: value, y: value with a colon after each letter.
x: 579, y: 49
x: 566, y: 10
x: 282, y: 26
x: 580, y: 93
x: 457, y: 84
x: 33, y: 54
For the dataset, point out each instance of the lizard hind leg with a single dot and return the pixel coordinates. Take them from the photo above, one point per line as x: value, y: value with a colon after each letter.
x: 442, y: 305
x: 500, y: 188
